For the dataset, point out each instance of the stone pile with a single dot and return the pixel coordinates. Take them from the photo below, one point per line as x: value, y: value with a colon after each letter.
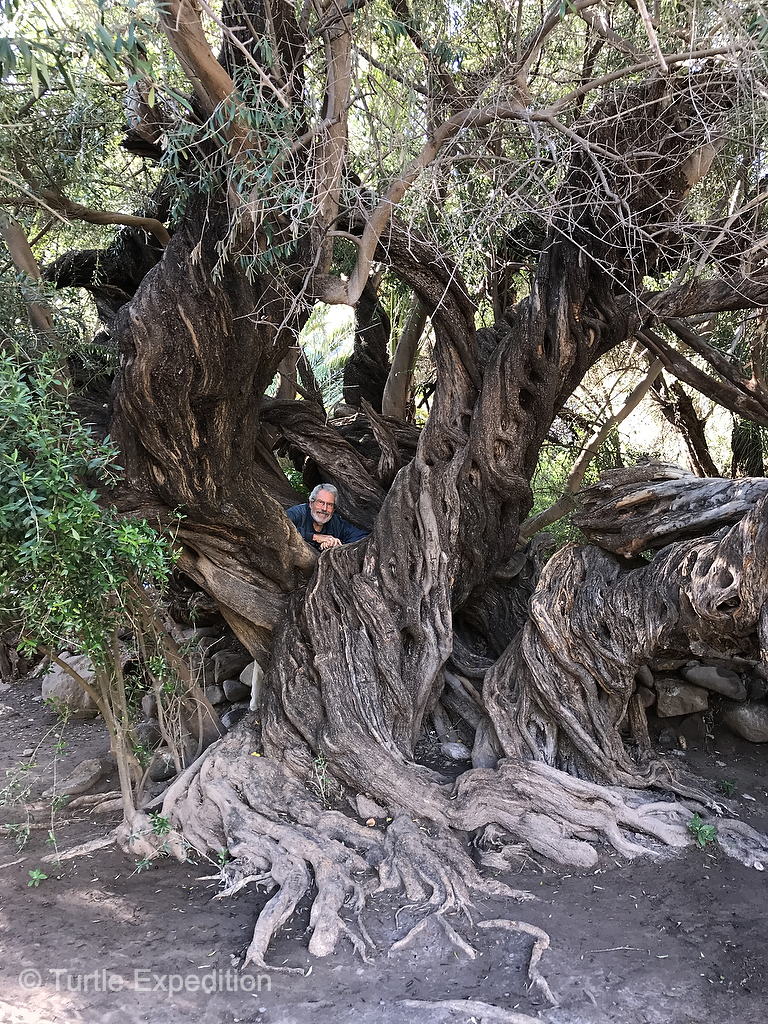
x: 680, y: 692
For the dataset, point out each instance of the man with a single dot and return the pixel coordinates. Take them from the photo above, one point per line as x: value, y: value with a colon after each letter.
x: 318, y: 523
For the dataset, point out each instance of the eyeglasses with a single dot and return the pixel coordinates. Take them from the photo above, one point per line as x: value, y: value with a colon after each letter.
x: 323, y: 504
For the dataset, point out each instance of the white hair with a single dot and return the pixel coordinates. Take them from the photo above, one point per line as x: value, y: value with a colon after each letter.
x: 325, y: 487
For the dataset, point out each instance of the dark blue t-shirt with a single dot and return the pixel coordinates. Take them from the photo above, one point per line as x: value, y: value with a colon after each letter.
x: 301, y: 517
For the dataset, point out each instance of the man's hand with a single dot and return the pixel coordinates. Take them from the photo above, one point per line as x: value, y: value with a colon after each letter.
x: 326, y: 542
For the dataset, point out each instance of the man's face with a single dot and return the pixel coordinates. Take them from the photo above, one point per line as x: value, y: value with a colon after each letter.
x: 322, y: 507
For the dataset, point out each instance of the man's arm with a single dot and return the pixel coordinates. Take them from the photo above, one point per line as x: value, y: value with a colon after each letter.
x: 346, y: 532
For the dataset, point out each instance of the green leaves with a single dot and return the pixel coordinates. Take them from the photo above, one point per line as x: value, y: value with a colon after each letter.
x: 66, y: 560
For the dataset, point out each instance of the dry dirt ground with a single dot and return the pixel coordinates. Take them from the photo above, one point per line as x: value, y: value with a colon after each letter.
x: 676, y: 942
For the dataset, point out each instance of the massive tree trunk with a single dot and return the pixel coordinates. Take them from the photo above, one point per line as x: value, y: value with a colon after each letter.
x: 361, y: 636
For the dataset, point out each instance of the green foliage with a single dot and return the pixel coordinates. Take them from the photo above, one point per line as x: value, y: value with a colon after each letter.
x: 727, y: 786
x: 36, y: 876
x: 161, y: 826
x: 66, y: 560
x: 703, y: 833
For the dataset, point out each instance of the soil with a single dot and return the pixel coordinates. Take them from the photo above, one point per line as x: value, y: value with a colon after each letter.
x: 682, y: 941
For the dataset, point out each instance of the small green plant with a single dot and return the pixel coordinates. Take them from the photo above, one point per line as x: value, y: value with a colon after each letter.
x: 727, y: 786
x: 703, y: 833
x: 161, y: 826
x: 19, y: 833
x: 59, y: 801
x: 321, y: 780
x: 36, y: 876
x: 223, y: 856
x: 143, y: 864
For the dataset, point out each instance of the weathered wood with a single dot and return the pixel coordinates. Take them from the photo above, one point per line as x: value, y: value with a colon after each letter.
x: 650, y: 506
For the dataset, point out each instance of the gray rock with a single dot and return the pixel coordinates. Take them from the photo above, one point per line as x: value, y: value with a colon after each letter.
x: 648, y: 697
x: 456, y: 751
x: 61, y: 688
x: 162, y: 765
x: 750, y: 721
x: 644, y: 677
x: 148, y: 733
x: 149, y: 705
x: 229, y: 665
x: 234, y: 715
x: 80, y: 780
x: 666, y: 664
x: 757, y: 686
x: 674, y: 697
x: 667, y: 738
x: 236, y: 691
x: 215, y: 694
x: 719, y: 680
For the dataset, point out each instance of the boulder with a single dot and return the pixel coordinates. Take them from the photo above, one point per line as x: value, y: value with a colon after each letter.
x: 647, y: 697
x: 675, y: 697
x: 235, y: 691
x: 148, y: 733
x: 750, y: 721
x: 229, y: 664
x: 80, y: 779
x: 61, y: 689
x: 215, y: 695
x: 717, y: 679
x: 757, y: 684
x: 456, y: 751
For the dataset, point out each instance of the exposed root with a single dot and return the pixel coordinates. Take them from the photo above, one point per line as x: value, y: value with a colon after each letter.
x: 83, y: 849
x: 540, y: 945
x: 416, y: 930
x: 478, y: 1009
x: 741, y: 841
x: 560, y: 816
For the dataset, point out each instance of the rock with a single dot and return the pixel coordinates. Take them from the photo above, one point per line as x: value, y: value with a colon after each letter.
x: 456, y: 751
x: 6, y: 711
x: 236, y: 691
x: 162, y: 766
x: 80, y: 780
x: 667, y: 738
x: 757, y: 686
x: 229, y: 665
x: 674, y: 697
x: 234, y: 715
x: 368, y: 808
x: 644, y: 677
x: 148, y: 733
x: 149, y: 705
x: 61, y: 689
x: 647, y: 697
x: 666, y: 664
x: 750, y: 721
x: 215, y: 694
x: 253, y: 677
x: 719, y: 680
